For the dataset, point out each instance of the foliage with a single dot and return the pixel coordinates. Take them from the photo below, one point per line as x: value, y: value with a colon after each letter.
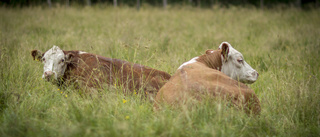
x: 132, y: 3
x: 282, y: 45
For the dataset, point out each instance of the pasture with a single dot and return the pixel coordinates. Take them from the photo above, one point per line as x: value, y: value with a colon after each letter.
x: 283, y: 45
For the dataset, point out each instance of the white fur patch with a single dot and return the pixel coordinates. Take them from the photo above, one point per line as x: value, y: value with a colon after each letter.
x: 82, y: 52
x: 53, y: 62
x: 193, y: 60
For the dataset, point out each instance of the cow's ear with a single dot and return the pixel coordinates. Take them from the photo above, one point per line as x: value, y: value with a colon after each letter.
x: 36, y: 54
x: 225, y: 51
x: 69, y: 57
x: 209, y: 51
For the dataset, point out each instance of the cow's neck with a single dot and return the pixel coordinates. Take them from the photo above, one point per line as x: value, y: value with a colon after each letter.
x: 70, y: 67
x: 212, y: 60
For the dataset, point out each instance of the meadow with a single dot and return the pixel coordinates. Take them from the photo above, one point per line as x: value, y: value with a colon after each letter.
x: 283, y: 45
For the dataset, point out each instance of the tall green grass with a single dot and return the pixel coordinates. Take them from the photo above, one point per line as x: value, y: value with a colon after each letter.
x: 282, y: 45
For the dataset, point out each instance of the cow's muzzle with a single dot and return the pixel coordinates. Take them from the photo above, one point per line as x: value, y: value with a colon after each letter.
x: 48, y: 75
x: 255, y: 74
x: 250, y: 78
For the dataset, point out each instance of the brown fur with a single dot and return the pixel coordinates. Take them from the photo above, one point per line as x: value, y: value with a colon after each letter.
x: 90, y: 70
x: 201, y: 78
x: 211, y: 59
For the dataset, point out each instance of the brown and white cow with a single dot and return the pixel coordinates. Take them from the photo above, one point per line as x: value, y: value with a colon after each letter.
x: 201, y: 77
x: 90, y: 70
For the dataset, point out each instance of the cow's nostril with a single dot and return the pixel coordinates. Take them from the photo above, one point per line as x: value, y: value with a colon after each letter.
x: 48, y: 73
x: 255, y: 73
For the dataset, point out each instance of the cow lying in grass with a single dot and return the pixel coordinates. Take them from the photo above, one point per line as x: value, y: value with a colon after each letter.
x: 90, y: 70
x: 201, y: 77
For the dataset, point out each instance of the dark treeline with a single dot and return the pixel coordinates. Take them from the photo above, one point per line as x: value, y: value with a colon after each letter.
x: 160, y: 3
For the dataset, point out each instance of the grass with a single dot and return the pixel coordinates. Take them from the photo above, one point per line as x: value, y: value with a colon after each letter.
x: 282, y: 45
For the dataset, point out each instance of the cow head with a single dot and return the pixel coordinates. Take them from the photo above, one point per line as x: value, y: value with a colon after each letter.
x: 55, y: 62
x: 233, y: 65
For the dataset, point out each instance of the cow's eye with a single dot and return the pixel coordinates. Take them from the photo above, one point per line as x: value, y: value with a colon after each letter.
x: 43, y: 59
x: 62, y: 60
x: 240, y: 61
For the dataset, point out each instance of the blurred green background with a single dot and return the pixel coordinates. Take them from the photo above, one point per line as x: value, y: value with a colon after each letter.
x: 281, y: 42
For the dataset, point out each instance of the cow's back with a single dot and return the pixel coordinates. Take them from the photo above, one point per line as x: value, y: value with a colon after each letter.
x: 140, y: 77
x: 94, y: 70
x: 195, y: 81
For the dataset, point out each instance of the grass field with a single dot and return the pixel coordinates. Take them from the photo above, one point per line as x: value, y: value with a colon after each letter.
x: 282, y: 45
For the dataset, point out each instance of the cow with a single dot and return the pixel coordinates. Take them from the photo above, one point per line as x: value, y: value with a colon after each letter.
x: 92, y: 71
x: 217, y: 74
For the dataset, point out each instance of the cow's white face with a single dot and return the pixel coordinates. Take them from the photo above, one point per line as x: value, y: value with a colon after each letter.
x: 54, y: 61
x: 233, y: 65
